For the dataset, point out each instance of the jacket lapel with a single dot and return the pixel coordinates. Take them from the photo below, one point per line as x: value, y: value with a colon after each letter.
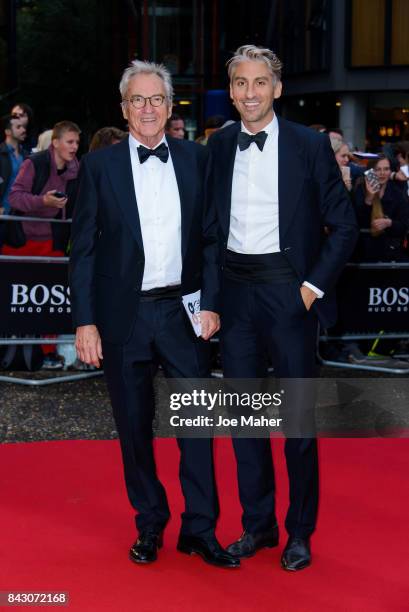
x: 224, y: 174
x: 120, y: 175
x: 185, y: 170
x: 291, y: 175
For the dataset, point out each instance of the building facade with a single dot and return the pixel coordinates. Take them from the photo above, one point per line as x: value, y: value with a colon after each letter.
x: 346, y: 62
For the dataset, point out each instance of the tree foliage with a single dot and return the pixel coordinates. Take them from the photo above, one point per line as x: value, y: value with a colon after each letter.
x: 63, y: 49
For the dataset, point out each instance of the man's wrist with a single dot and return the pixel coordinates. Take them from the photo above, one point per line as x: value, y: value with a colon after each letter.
x: 318, y: 293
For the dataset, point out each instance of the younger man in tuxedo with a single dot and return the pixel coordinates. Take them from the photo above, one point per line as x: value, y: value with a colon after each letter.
x: 276, y: 185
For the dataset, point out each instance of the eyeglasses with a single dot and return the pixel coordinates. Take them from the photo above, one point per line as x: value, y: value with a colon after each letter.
x: 140, y: 101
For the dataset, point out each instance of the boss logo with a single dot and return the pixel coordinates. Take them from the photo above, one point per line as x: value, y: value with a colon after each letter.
x: 383, y: 299
x: 40, y: 297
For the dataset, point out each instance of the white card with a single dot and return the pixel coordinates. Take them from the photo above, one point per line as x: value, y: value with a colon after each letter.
x: 191, y: 302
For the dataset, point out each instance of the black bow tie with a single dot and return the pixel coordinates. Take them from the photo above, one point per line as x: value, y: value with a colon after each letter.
x: 161, y: 151
x: 245, y: 140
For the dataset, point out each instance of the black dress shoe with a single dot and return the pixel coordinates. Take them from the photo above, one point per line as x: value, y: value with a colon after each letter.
x: 249, y: 543
x: 145, y: 549
x: 296, y: 554
x: 209, y: 549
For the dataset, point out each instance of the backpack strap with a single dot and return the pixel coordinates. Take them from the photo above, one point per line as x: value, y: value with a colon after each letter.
x: 42, y: 165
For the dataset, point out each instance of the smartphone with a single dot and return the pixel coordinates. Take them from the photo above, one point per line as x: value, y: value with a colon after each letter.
x: 372, y: 179
x: 346, y: 173
x: 60, y: 194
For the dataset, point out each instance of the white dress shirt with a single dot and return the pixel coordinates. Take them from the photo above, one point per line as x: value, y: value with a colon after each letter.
x: 157, y: 197
x: 254, y: 218
x: 254, y: 198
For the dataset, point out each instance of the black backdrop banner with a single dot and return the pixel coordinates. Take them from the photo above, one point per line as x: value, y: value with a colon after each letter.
x: 371, y: 300
x: 34, y: 298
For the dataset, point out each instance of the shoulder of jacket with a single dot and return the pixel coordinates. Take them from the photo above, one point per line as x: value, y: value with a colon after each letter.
x: 303, y: 132
x: 225, y: 132
x: 189, y: 145
x: 39, y: 157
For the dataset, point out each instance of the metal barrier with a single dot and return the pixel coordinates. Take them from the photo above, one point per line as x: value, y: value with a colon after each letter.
x: 369, y: 303
x: 352, y: 292
x: 14, y: 287
x: 25, y: 218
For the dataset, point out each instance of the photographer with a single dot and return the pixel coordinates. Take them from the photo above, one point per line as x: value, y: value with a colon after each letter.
x: 383, y: 210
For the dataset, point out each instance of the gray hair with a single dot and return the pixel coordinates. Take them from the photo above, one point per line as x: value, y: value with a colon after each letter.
x: 337, y: 143
x: 256, y: 54
x: 144, y: 67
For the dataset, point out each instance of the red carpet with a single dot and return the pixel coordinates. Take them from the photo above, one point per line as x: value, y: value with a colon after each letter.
x: 67, y: 526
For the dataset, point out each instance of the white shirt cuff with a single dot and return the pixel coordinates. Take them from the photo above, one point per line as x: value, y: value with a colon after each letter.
x: 317, y: 291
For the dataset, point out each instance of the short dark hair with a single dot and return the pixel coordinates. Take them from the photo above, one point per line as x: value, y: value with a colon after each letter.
x: 214, y: 122
x: 64, y: 126
x: 401, y: 148
x: 105, y: 137
x: 26, y: 108
x: 173, y: 117
x: 7, y: 120
x: 318, y: 127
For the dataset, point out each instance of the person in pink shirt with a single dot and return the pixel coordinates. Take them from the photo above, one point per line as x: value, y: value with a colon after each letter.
x: 41, y: 190
x: 45, y: 187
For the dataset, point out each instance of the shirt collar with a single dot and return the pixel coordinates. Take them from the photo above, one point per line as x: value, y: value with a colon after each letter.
x: 11, y: 149
x: 134, y: 143
x: 270, y: 129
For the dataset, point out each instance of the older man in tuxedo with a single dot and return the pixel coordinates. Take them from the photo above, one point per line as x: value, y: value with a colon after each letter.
x: 142, y: 240
x: 276, y: 186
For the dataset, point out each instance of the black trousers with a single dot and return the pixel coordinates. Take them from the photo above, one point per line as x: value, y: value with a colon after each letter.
x: 161, y: 333
x: 261, y: 321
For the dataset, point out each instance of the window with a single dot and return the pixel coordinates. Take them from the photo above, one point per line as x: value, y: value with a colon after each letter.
x: 400, y: 33
x: 304, y: 35
x: 379, y: 33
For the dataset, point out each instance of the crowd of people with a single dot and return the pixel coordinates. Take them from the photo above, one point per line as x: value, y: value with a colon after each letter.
x: 379, y: 191
x: 38, y: 178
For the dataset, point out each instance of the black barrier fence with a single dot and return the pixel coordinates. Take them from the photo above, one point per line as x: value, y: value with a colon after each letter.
x: 27, y: 218
x: 373, y: 298
x: 373, y: 301
x: 35, y: 296
x: 35, y: 301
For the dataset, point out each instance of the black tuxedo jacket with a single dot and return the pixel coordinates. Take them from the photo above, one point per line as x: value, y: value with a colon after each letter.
x: 107, y: 257
x: 312, y: 197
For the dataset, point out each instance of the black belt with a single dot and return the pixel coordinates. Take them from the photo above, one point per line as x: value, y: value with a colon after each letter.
x: 161, y: 293
x: 263, y: 268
